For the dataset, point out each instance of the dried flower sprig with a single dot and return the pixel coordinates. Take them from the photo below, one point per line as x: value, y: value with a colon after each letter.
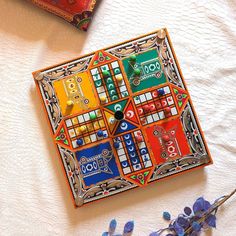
x: 128, y: 229
x: 191, y: 222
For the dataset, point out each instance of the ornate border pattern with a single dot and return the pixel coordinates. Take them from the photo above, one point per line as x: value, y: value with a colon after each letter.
x: 160, y: 41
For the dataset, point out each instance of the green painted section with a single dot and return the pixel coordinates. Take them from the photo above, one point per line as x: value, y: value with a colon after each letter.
x: 118, y: 106
x: 151, y: 72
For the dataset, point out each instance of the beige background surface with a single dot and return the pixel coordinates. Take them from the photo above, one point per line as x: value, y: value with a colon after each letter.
x: 34, y: 198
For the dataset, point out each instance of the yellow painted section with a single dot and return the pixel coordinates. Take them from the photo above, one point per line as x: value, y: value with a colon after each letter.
x: 77, y: 89
x: 109, y: 116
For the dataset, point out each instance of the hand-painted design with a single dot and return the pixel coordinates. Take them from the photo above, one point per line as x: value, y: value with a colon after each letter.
x: 133, y: 155
x: 102, y: 57
x: 130, y: 114
x: 72, y: 172
x: 82, y: 20
x: 129, y: 121
x: 97, y: 164
x: 181, y: 97
x: 82, y: 195
x: 167, y: 141
x: 133, y: 159
x: 141, y: 178
x: 170, y: 67
x: 108, y: 77
x: 45, y: 80
x: 150, y: 68
x: 117, y: 106
x: 155, y: 105
x: 78, y: 89
x: 108, y: 188
x: 124, y: 126
x: 178, y: 165
x: 199, y: 155
x: 192, y: 132
x: 62, y: 137
x: 85, y: 129
x: 134, y: 47
x: 68, y: 69
x: 50, y: 101
x: 170, y: 148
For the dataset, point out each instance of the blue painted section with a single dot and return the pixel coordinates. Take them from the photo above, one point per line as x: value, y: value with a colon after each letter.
x: 132, y: 152
x: 97, y: 164
x: 124, y: 126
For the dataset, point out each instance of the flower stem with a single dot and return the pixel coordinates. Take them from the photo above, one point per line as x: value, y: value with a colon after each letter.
x: 214, y: 207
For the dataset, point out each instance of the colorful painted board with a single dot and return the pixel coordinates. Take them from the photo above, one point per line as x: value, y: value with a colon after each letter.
x: 77, y: 12
x: 122, y: 117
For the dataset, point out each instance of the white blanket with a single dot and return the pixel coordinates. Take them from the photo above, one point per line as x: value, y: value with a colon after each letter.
x: 34, y: 197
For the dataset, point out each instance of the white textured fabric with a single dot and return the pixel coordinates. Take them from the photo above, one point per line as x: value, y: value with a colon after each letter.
x: 34, y: 197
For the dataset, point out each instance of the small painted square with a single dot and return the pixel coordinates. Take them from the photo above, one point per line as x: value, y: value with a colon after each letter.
x: 142, y: 98
x: 93, y: 137
x: 137, y: 167
x: 81, y: 119
x: 114, y: 64
x: 161, y: 115
x: 94, y: 71
x: 148, y: 96
x: 155, y: 117
x: 100, y: 89
x: 116, y: 71
x: 96, y: 125
x: 74, y: 121
x: 136, y: 100
x: 147, y: 164
x: 97, y: 164
x: 123, y: 158
x: 77, y: 131
x: 149, y: 119
x: 101, y: 123
x: 104, y: 68
x: 121, y: 151
x: 170, y: 101
x: 167, y: 90
x: 72, y: 133
x: 124, y: 94
x: 74, y: 144
x: 87, y: 140
x: 174, y: 111
x: 98, y: 113
x: 86, y: 116
x: 123, y: 88
x: 90, y: 127
x: 68, y: 123
x: 126, y: 170
x: 164, y: 102
x: 98, y: 83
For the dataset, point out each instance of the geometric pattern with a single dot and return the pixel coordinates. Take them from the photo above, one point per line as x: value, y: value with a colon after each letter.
x: 129, y: 122
x: 133, y: 155
x: 108, y: 86
x: 88, y: 136
x: 167, y: 141
x: 181, y: 97
x: 97, y: 163
x: 61, y: 136
x: 153, y: 106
